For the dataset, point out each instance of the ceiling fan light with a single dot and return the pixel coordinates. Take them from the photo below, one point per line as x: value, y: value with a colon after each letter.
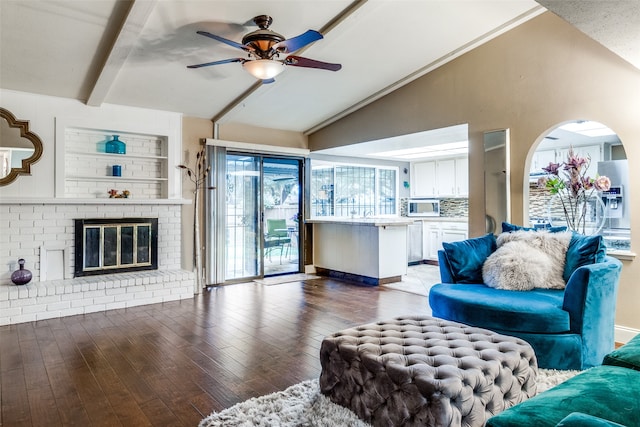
x: 263, y: 69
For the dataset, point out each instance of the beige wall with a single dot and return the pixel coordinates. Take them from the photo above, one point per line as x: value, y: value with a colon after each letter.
x: 193, y: 129
x: 529, y: 80
x: 258, y: 135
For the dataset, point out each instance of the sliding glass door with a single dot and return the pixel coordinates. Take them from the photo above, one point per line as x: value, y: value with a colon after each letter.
x: 281, y: 203
x: 242, y: 217
x: 258, y: 234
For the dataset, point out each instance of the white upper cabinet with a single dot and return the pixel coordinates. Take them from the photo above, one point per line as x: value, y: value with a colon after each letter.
x: 542, y: 158
x: 446, y: 178
x: 440, y: 178
x: 423, y: 179
x: 462, y: 177
x: 592, y: 152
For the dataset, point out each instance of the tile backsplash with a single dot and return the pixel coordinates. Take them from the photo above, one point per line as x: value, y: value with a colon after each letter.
x: 454, y: 208
x: 449, y: 208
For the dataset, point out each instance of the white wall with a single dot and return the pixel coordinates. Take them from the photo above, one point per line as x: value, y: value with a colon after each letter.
x: 44, y: 113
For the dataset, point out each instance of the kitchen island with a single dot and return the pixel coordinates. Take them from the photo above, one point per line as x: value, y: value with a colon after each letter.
x: 368, y: 250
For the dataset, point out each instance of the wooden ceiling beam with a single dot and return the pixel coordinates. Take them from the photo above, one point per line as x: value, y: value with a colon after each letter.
x: 125, y: 41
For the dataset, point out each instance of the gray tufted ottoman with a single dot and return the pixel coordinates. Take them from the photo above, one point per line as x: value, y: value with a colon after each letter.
x: 425, y: 371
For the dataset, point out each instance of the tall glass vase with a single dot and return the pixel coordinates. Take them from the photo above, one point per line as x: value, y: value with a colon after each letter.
x: 581, y: 214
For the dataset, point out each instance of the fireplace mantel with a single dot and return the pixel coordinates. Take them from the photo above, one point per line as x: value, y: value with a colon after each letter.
x: 94, y: 201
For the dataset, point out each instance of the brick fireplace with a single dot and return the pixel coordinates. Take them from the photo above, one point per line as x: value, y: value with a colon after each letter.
x: 43, y: 233
x: 74, y: 180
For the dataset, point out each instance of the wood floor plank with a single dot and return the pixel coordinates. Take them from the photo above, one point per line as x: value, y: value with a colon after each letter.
x: 10, y: 355
x: 43, y: 407
x: 48, y: 345
x: 26, y: 331
x: 30, y: 352
x: 113, y: 385
x: 118, y: 362
x: 71, y: 409
x: 94, y: 400
x: 15, y: 404
x: 159, y: 414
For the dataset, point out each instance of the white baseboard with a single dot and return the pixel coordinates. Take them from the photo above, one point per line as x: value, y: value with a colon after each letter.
x: 623, y: 334
x: 310, y: 269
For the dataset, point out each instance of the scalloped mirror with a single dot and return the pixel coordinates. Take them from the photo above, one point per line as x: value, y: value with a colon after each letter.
x: 19, y: 147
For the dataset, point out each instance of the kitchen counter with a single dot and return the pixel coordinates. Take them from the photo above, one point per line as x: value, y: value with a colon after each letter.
x: 368, y: 250
x: 440, y: 218
x: 374, y: 221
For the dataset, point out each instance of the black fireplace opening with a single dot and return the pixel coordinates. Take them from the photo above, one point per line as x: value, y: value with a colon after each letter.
x: 106, y: 246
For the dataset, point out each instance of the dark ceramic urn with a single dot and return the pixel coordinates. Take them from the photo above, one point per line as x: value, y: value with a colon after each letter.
x: 22, y: 276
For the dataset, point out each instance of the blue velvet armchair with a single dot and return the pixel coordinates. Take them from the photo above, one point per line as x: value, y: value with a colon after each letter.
x: 571, y: 328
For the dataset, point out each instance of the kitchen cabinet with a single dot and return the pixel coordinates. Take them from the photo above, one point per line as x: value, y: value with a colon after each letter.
x: 587, y: 151
x: 436, y: 232
x: 542, y: 158
x: 414, y: 242
x: 431, y: 241
x: 462, y: 177
x: 423, y: 179
x: 446, y: 178
x: 440, y: 178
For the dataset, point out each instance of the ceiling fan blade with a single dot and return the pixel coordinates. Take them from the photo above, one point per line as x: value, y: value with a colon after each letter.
x: 226, y: 41
x: 299, y: 61
x: 298, y: 42
x: 223, y: 61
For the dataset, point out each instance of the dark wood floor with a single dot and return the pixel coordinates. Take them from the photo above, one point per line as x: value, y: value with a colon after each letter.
x: 172, y: 364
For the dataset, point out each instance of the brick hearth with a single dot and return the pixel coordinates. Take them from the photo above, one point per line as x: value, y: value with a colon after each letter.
x: 59, y: 298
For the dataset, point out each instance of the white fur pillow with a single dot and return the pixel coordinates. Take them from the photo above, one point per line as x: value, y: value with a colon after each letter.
x: 527, y: 259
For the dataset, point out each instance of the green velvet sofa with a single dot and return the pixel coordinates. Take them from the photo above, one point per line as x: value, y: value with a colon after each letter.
x: 606, y: 395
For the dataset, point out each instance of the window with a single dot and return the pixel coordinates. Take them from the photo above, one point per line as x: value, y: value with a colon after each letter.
x: 353, y: 190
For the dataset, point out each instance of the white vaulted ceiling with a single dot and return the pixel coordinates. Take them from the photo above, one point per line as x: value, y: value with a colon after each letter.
x: 60, y: 48
x: 135, y: 53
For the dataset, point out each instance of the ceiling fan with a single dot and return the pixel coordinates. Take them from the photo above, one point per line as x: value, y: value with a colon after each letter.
x: 264, y: 47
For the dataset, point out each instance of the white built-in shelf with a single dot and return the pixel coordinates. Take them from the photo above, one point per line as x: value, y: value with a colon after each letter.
x: 118, y: 156
x: 87, y: 168
x: 114, y: 178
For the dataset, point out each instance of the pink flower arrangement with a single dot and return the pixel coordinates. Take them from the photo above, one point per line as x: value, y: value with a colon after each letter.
x: 574, y: 188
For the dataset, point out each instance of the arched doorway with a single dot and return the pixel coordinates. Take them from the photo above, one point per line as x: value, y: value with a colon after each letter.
x: 605, y: 150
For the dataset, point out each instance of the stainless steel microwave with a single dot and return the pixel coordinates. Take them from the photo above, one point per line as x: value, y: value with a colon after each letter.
x: 423, y: 207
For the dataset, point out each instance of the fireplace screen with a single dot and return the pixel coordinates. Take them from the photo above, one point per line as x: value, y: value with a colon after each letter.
x: 115, y: 245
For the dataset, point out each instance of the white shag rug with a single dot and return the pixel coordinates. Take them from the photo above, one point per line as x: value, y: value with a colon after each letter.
x: 302, y: 405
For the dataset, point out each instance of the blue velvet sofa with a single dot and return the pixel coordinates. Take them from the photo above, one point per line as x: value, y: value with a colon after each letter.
x: 603, y: 396
x: 571, y: 328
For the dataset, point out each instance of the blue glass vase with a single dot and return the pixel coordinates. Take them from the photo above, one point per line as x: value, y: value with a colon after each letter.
x: 116, y: 146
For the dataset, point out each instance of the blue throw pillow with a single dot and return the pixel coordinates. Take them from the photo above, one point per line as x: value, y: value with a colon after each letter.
x: 583, y: 250
x: 508, y: 228
x: 466, y: 257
